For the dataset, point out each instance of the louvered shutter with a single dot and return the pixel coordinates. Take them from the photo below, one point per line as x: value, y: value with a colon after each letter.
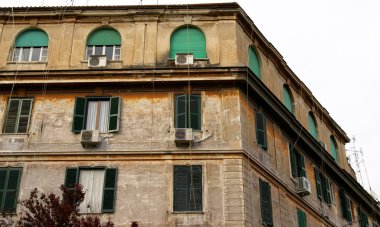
x: 195, y: 112
x: 195, y: 186
x: 9, y: 187
x: 71, y: 178
x: 328, y: 190
x: 180, y: 188
x: 79, y: 114
x: 301, y: 165
x: 266, y: 203
x: 180, y: 110
x: 24, y: 116
x: 261, y: 134
x: 345, y: 205
x: 114, y: 116
x: 293, y: 161
x: 301, y: 216
x: 12, y: 116
x: 318, y: 182
x: 109, y: 192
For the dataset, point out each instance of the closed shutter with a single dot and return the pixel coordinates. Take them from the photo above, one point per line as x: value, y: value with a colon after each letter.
x: 12, y: 116
x: 266, y: 203
x: 261, y: 134
x: 195, y: 183
x: 180, y: 189
x: 24, y: 117
x: 195, y: 112
x: 79, y: 114
x: 328, y: 198
x: 114, y: 116
x: 301, y: 216
x: 318, y: 182
x: 180, y: 110
x: 109, y: 192
x: 9, y: 187
x: 363, y: 218
x: 345, y: 205
x: 71, y: 178
x: 293, y: 161
x: 301, y: 165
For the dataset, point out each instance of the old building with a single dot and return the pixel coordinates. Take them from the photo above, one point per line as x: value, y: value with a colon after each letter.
x: 178, y: 115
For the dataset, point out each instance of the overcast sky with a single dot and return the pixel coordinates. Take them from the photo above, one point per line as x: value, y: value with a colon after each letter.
x: 332, y: 46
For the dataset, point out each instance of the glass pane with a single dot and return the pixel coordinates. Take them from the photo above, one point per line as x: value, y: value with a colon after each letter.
x: 109, y: 52
x: 25, y: 54
x: 36, y: 51
x: 117, y: 53
x: 89, y: 51
x: 43, y: 54
x: 16, y: 54
x: 98, y: 50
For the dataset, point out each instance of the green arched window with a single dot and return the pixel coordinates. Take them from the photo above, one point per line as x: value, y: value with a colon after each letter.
x: 312, y: 125
x: 31, y: 45
x: 104, y: 41
x: 188, y: 40
x: 288, y: 100
x: 333, y: 147
x: 253, y: 62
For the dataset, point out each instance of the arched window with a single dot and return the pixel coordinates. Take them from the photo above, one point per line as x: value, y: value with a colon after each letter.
x: 253, y: 62
x: 288, y: 99
x: 333, y: 147
x: 312, y: 125
x: 188, y: 40
x: 31, y: 45
x: 104, y: 41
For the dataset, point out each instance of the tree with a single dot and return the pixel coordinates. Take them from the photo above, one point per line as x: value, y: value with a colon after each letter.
x: 42, y: 210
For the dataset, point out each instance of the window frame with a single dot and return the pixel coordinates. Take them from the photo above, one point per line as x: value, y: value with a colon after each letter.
x: 115, y: 57
x: 324, y: 187
x: 266, y: 203
x: 346, y: 206
x: 187, y: 111
x: 5, y: 189
x: 42, y: 56
x: 18, y: 115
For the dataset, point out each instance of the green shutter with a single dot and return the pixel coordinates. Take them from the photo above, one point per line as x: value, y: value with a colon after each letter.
x: 266, y: 203
x: 345, y: 205
x: 363, y: 218
x: 293, y: 161
x: 188, y: 40
x: 253, y: 62
x: 261, y: 134
x: 301, y: 216
x: 32, y: 38
x: 104, y: 36
x: 287, y: 99
x: 24, y: 115
x: 18, y: 115
x: 312, y: 125
x: 79, y: 114
x: 318, y: 182
x: 195, y: 188
x: 301, y: 165
x: 109, y: 192
x: 195, y: 112
x: 9, y: 187
x: 12, y: 116
x: 114, y: 116
x: 71, y: 177
x: 333, y: 149
x: 180, y: 110
x: 327, y: 190
x: 180, y: 200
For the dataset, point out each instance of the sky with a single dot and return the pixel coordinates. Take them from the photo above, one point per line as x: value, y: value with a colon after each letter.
x: 332, y: 46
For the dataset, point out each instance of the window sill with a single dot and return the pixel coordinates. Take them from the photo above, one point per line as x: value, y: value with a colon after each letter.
x: 15, y: 134
x: 188, y: 212
x: 28, y: 62
x: 108, y: 61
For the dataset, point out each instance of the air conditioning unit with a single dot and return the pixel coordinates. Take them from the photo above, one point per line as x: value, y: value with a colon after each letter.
x: 184, y: 59
x: 323, y: 145
x: 97, y: 61
x: 183, y: 135
x: 303, y: 186
x: 89, y: 137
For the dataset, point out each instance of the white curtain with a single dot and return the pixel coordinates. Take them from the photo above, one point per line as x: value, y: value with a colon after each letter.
x: 92, y: 181
x: 91, y: 115
x: 103, y: 116
x: 97, y: 115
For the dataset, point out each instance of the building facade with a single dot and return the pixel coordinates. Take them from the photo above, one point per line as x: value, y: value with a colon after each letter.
x: 180, y: 115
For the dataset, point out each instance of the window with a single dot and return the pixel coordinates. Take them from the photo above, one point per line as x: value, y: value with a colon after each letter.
x: 288, y: 100
x: 253, y: 62
x: 99, y: 184
x: 31, y: 45
x: 266, y: 203
x: 363, y: 218
x: 345, y: 204
x: 9, y: 187
x: 261, y: 131
x: 187, y: 111
x: 312, y: 125
x: 323, y: 184
x: 104, y: 41
x: 187, y: 188
x: 18, y: 115
x: 96, y: 113
x: 333, y: 147
x: 297, y: 162
x: 301, y: 217
x: 188, y: 39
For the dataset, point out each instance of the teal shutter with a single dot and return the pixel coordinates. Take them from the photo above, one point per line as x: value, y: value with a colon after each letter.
x: 9, y: 187
x: 180, y: 110
x: 312, y: 126
x: 188, y: 40
x: 301, y: 216
x: 18, y: 115
x: 180, y: 201
x: 187, y: 188
x: 195, y: 112
x: 345, y: 205
x: 109, y: 192
x: 318, y: 182
x: 32, y: 38
x: 195, y: 190
x: 104, y: 37
x: 261, y: 134
x: 287, y: 99
x: 71, y: 178
x: 293, y: 161
x: 114, y: 116
x: 253, y: 62
x: 333, y: 148
x: 24, y: 116
x: 302, y: 170
x: 12, y: 116
x: 79, y: 114
x: 266, y: 203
